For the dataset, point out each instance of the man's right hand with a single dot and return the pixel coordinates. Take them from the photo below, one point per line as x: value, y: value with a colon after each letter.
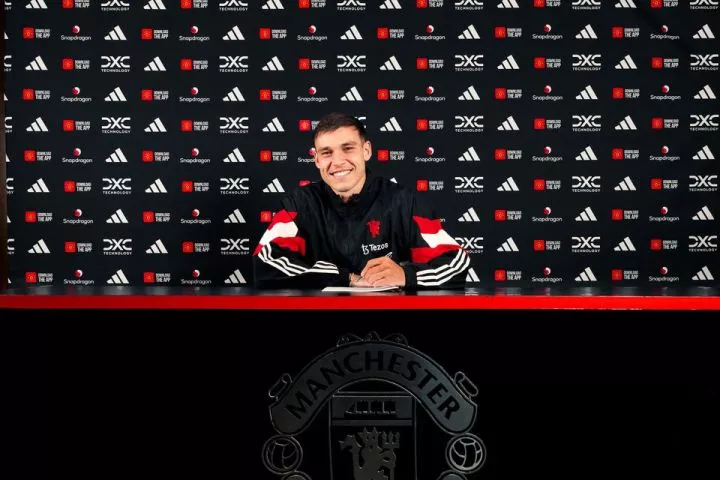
x: 357, y: 281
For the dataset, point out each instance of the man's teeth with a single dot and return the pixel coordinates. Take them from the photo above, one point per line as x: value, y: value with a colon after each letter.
x: 341, y: 173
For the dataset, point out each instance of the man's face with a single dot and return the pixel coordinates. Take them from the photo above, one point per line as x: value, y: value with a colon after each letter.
x: 340, y: 156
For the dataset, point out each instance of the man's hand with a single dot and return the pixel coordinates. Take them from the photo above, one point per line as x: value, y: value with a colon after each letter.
x: 383, y: 272
x: 358, y: 281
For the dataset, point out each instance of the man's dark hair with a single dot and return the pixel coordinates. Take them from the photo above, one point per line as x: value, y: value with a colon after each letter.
x: 335, y: 120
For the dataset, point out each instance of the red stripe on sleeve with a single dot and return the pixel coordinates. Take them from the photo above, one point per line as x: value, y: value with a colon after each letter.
x: 426, y: 225
x: 296, y: 244
x: 282, y: 216
x: 425, y: 254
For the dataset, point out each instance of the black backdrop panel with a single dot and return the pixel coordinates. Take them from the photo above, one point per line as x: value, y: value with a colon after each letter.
x: 566, y: 142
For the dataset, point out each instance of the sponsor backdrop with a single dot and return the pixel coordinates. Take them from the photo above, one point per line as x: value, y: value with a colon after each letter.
x: 568, y: 142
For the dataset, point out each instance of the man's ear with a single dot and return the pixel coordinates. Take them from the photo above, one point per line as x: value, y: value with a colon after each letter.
x: 315, y: 159
x: 367, y: 150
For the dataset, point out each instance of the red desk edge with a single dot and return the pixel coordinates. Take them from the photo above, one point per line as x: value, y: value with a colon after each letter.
x: 358, y: 302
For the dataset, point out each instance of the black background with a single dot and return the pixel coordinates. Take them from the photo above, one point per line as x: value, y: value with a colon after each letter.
x: 330, y: 83
x: 566, y: 394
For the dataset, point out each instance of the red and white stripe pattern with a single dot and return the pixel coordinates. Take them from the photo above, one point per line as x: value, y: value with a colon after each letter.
x: 283, y: 232
x: 439, y: 243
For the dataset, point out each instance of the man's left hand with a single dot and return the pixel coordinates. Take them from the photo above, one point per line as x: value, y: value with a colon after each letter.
x: 383, y: 272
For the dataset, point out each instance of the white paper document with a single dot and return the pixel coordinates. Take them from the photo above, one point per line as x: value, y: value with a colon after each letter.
x: 358, y: 289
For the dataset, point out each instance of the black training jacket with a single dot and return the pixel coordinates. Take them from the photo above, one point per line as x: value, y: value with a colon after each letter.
x: 315, y: 240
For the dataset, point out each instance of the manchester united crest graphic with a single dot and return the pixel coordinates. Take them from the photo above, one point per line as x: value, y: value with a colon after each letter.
x: 373, y: 409
x: 374, y: 227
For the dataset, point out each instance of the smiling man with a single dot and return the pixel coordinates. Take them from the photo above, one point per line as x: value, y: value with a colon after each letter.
x: 354, y: 228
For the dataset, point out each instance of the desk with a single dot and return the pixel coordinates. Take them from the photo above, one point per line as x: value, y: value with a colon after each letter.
x: 604, y: 390
x: 173, y: 298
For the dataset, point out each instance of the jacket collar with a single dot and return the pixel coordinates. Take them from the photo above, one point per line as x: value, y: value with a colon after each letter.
x: 359, y: 202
